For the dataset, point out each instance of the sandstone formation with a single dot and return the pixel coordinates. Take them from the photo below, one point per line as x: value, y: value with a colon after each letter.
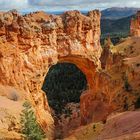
x: 106, y: 56
x: 32, y: 43
x: 93, y: 110
x: 135, y: 25
x: 121, y: 90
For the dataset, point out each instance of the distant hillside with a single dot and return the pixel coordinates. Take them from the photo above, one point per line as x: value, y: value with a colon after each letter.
x: 117, y: 29
x: 116, y: 26
x: 117, y: 13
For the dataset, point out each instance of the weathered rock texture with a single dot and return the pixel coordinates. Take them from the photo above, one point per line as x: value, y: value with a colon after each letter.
x: 135, y: 25
x: 31, y: 44
x: 107, y: 56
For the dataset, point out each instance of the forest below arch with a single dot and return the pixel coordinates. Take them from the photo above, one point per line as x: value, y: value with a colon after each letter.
x: 64, y: 83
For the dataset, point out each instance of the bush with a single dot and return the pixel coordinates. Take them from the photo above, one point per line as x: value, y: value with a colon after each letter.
x: 127, y: 86
x: 13, y: 96
x: 30, y: 127
x: 126, y: 106
x: 137, y: 103
x: 138, y: 64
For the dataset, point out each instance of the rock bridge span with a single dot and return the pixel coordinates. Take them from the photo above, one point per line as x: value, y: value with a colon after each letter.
x: 30, y: 44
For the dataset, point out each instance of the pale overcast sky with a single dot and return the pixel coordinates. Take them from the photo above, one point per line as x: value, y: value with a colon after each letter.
x: 58, y: 5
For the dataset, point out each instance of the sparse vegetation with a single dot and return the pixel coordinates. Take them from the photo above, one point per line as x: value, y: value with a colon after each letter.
x: 127, y: 85
x: 138, y: 64
x: 67, y: 112
x: 94, y: 127
x: 13, y: 95
x: 126, y: 106
x: 137, y: 103
x: 30, y: 127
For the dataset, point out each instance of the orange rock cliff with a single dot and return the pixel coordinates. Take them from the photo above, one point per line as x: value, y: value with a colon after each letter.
x: 30, y: 44
x: 135, y: 25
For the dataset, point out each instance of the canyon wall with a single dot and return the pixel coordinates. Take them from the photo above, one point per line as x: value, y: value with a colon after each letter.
x: 135, y: 25
x: 30, y: 44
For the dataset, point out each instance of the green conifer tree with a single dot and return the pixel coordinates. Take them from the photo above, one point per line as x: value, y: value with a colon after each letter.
x: 30, y: 127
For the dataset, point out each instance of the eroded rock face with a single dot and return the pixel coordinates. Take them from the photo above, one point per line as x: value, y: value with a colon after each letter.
x: 30, y: 44
x: 107, y: 56
x: 135, y: 26
x: 93, y: 109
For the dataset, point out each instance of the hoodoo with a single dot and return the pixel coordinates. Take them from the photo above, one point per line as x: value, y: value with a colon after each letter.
x: 135, y: 25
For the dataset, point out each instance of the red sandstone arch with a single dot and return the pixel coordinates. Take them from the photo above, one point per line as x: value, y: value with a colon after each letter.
x: 85, y: 65
x: 26, y: 53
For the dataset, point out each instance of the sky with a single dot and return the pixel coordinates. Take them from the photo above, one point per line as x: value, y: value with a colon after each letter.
x: 62, y: 5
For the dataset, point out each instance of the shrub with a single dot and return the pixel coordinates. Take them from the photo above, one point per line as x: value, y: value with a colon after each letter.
x: 30, y: 127
x: 94, y: 126
x: 126, y: 107
x: 127, y: 86
x: 12, y: 94
x: 138, y: 64
x: 137, y: 103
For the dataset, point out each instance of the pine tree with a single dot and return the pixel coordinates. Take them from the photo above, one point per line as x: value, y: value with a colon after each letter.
x: 30, y: 127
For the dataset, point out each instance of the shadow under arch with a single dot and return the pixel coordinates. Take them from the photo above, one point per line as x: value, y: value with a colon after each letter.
x: 63, y: 84
x: 85, y: 65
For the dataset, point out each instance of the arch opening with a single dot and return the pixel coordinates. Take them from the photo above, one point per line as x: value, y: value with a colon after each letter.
x: 63, y: 85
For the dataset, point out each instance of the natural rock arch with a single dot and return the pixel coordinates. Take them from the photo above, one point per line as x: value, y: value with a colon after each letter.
x: 32, y: 43
x: 86, y: 66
